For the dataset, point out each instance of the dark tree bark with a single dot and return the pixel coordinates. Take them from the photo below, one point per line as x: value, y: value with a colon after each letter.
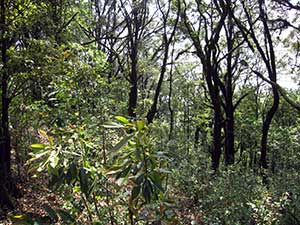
x: 229, y: 136
x: 228, y: 95
x: 271, y: 68
x: 136, y: 21
x: 217, y: 142
x: 108, y: 34
x: 267, y: 54
x: 208, y: 55
x: 133, y: 94
x: 170, y: 99
x: 197, y: 137
x: 166, y: 45
x: 5, y: 147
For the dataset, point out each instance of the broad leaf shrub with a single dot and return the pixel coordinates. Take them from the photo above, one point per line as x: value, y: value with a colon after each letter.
x: 120, y: 181
x: 137, y: 168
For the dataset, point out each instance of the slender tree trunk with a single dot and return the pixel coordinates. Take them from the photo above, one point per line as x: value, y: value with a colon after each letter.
x: 170, y: 105
x: 167, y: 41
x: 270, y: 62
x: 153, y: 109
x: 229, y: 120
x: 133, y: 94
x: 268, y: 56
x: 266, y: 127
x: 188, y: 126
x: 197, y: 137
x: 208, y: 55
x: 133, y: 99
x: 5, y: 137
x: 135, y: 29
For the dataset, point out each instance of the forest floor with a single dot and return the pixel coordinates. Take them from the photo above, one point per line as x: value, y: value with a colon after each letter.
x: 30, y: 207
x: 35, y: 195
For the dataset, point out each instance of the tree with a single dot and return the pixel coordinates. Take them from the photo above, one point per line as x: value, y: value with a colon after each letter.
x: 5, y: 148
x: 21, y: 27
x: 266, y: 52
x: 208, y: 54
x: 166, y: 43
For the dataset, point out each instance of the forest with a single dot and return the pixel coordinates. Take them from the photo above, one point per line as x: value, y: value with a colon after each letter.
x: 133, y: 112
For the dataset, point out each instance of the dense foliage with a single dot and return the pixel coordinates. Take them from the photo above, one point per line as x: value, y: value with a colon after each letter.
x: 152, y: 112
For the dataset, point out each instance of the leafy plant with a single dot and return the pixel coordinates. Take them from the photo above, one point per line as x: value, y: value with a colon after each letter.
x: 135, y: 165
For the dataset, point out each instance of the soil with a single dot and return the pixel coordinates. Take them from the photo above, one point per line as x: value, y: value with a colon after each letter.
x: 30, y: 207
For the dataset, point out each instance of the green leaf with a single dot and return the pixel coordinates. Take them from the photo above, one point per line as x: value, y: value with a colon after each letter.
x: 162, y: 170
x: 38, y: 146
x: 113, y: 170
x: 140, y: 125
x: 113, y: 125
x: 37, y: 156
x: 122, y: 119
x: 51, y: 212
x: 21, y: 219
x: 65, y: 216
x: 53, y: 159
x: 156, y: 180
x: 147, y: 191
x: 125, y: 172
x: 135, y: 191
x: 97, y: 223
x: 72, y: 173
x: 139, y: 179
x: 121, y: 143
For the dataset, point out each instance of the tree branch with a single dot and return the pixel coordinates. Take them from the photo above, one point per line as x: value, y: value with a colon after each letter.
x: 280, y: 89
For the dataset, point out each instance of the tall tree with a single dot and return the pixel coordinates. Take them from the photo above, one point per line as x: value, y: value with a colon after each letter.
x: 166, y: 44
x: 267, y: 53
x: 21, y: 28
x: 136, y: 21
x: 231, y: 70
x: 212, y: 19
x: 228, y: 89
x: 5, y: 148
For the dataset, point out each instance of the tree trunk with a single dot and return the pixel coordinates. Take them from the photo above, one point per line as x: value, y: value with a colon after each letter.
x: 217, y: 120
x: 170, y: 106
x: 197, y: 137
x: 229, y: 137
x: 167, y: 41
x: 271, y: 68
x: 133, y: 99
x: 133, y: 94
x: 217, y: 140
x: 266, y: 127
x: 229, y: 89
x: 5, y: 148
